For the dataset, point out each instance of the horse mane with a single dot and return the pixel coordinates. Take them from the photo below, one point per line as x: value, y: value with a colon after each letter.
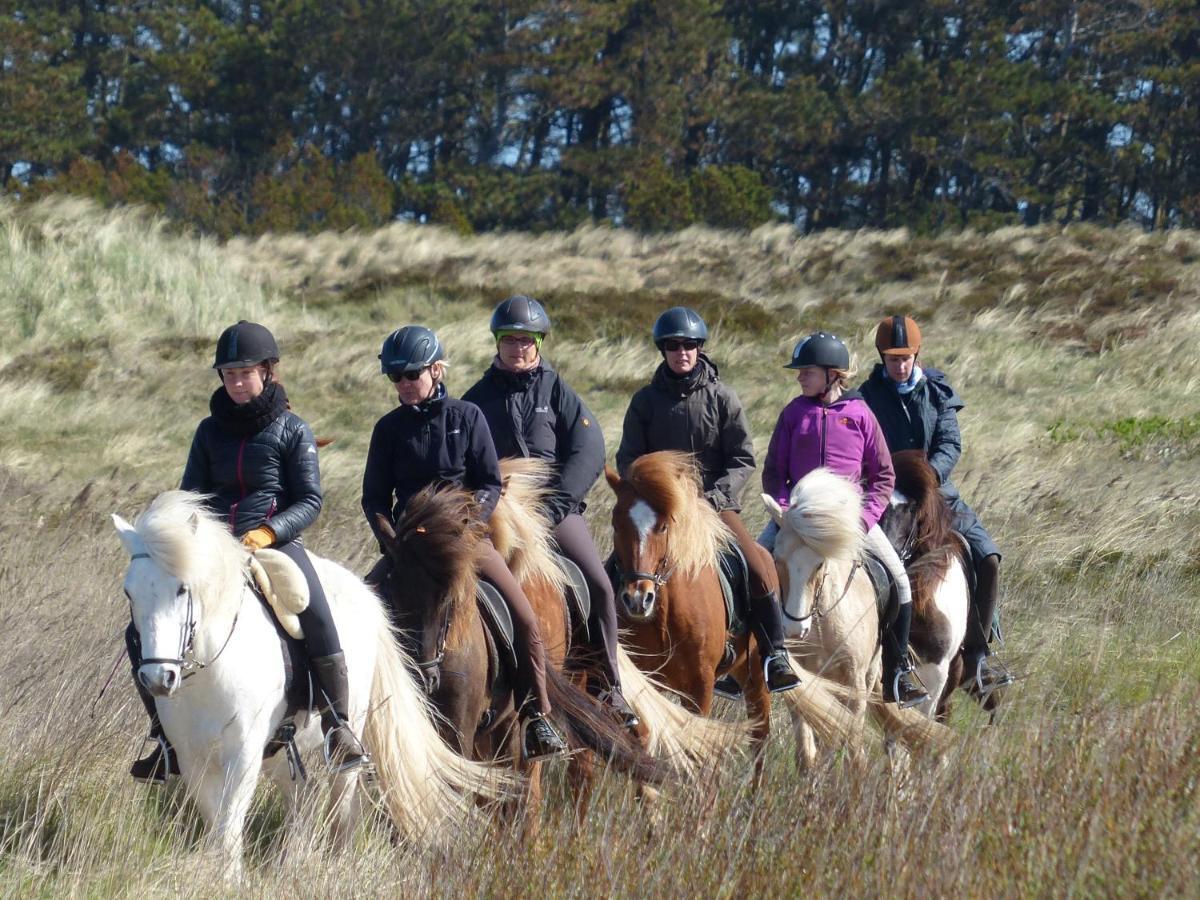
x: 440, y: 533
x: 669, y: 480
x: 520, y: 529
x: 935, y: 545
x: 825, y: 510
x: 186, y: 539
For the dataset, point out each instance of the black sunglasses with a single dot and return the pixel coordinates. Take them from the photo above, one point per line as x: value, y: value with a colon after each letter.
x: 397, y: 377
x: 676, y: 346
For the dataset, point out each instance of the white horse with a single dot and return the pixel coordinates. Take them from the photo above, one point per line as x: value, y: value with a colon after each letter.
x: 218, y: 679
x: 831, y: 615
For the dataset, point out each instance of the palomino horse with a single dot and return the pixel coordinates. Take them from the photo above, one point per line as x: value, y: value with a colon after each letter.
x: 215, y: 666
x: 833, y: 618
x: 666, y: 540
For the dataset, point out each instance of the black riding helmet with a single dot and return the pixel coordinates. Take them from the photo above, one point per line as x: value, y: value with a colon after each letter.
x: 520, y: 313
x: 245, y: 344
x: 679, y: 322
x: 820, y: 349
x: 409, y: 349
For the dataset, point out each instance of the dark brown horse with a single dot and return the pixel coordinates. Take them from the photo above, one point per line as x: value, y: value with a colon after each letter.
x: 667, y: 540
x: 433, y: 550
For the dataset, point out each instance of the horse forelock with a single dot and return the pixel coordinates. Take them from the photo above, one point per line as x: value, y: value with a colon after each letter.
x: 440, y: 534
x: 670, y: 483
x: 186, y: 540
x: 825, y: 511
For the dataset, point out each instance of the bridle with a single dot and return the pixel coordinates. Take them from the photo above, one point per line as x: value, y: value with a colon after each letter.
x: 817, y: 612
x: 187, y: 638
x: 660, y: 576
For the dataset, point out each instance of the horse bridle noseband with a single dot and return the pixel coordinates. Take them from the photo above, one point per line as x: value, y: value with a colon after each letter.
x: 187, y: 637
x: 660, y: 577
x: 817, y: 612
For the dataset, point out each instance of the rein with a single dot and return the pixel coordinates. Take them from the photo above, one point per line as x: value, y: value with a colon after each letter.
x: 187, y: 637
x: 817, y: 612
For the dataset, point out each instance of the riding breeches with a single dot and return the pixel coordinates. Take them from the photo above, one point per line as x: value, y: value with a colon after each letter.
x: 320, y: 634
x: 526, y: 634
x: 763, y: 579
x: 576, y: 544
x: 876, y: 541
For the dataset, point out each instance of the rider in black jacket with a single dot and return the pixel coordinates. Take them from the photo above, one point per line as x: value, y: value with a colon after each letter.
x: 532, y: 412
x: 432, y: 438
x: 918, y: 409
x: 257, y: 462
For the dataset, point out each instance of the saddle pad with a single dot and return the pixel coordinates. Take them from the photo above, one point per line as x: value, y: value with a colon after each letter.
x: 282, y: 585
x: 735, y: 588
x: 886, y: 598
x: 498, y: 620
x: 579, y: 599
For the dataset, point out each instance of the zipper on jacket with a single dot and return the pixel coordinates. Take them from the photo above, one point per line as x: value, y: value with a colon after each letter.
x: 824, y: 430
x: 241, y: 487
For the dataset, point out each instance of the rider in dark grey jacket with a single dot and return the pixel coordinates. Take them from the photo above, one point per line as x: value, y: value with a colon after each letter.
x: 918, y: 409
x: 687, y: 407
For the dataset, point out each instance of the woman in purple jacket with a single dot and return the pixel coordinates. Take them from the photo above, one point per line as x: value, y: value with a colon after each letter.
x: 832, y: 427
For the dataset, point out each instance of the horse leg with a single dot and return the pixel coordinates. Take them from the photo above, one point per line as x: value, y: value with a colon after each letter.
x: 223, y: 795
x: 806, y: 742
x: 758, y: 710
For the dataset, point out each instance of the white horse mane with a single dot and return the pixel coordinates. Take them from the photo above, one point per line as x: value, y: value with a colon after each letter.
x: 825, y: 511
x: 184, y: 538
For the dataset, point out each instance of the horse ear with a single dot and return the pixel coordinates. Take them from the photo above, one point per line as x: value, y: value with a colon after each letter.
x: 774, y: 509
x: 129, y: 538
x: 613, y: 479
x: 194, y: 522
x: 385, y: 526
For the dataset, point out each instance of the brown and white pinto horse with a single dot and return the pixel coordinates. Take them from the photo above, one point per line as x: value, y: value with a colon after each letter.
x: 666, y: 540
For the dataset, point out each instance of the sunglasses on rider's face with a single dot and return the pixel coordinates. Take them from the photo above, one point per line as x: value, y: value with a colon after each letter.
x: 676, y: 346
x: 397, y: 377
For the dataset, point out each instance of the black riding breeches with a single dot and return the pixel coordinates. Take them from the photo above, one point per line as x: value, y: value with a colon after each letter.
x: 320, y: 634
x: 576, y: 544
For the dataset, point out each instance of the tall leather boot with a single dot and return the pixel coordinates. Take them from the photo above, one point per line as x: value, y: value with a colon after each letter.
x: 987, y: 671
x: 768, y: 628
x: 343, y: 749
x: 900, y: 686
x: 160, y: 762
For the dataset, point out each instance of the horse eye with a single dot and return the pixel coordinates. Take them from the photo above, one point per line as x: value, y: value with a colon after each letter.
x: 182, y: 590
x: 662, y: 529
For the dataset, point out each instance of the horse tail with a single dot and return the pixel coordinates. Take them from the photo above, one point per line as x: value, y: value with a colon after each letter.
x: 424, y: 783
x: 592, y: 727
x: 687, y: 742
x: 913, y: 729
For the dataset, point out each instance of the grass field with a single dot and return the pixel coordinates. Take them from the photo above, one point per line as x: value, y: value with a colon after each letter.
x: 1074, y: 349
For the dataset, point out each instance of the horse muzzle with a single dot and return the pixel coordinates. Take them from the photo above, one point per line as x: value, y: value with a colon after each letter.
x: 161, y: 680
x: 638, y: 602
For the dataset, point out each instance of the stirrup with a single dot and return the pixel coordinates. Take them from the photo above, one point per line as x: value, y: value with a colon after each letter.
x: 619, y: 706
x: 349, y: 760
x: 726, y: 686
x: 540, y: 742
x: 152, y: 770
x: 914, y: 699
x: 791, y: 679
x: 1001, y: 676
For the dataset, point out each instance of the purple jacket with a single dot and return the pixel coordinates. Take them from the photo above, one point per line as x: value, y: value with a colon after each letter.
x: 844, y: 437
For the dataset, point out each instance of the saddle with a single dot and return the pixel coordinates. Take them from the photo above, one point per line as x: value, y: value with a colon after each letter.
x: 282, y: 585
x: 579, y: 599
x: 734, y: 575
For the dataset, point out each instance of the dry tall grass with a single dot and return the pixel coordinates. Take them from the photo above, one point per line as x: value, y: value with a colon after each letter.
x: 1073, y: 349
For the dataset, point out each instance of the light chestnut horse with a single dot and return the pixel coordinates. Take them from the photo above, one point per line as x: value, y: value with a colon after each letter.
x: 832, y: 618
x: 214, y: 665
x: 666, y: 541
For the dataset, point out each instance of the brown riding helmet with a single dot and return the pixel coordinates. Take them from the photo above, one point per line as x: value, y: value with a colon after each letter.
x: 898, y: 336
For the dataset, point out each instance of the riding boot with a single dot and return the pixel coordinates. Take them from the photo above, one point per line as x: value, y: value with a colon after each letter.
x: 343, y: 750
x: 160, y: 762
x: 605, y: 683
x: 768, y: 628
x: 900, y: 685
x: 987, y: 672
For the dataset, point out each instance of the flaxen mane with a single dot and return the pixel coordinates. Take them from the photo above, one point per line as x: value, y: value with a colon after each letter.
x: 935, y: 544
x: 439, y: 534
x: 186, y: 540
x: 520, y: 529
x: 670, y: 482
x: 825, y: 510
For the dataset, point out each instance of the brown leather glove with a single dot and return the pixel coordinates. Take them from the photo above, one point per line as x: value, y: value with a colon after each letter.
x: 260, y: 537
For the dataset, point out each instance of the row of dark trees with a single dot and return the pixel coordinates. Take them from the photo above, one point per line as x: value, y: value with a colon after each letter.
x: 303, y: 114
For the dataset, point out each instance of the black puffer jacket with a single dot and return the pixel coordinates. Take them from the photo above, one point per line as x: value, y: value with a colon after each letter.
x: 260, y: 464
x: 697, y: 414
x: 440, y: 441
x: 537, y: 414
x: 926, y: 418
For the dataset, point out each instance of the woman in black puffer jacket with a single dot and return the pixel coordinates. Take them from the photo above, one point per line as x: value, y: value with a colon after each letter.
x: 257, y: 461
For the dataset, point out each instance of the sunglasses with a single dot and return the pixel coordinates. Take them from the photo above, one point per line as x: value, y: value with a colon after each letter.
x: 397, y: 377
x: 676, y: 346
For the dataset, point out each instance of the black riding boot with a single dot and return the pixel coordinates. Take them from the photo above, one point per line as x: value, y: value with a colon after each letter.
x: 900, y: 685
x: 154, y: 767
x: 343, y: 750
x: 768, y: 621
x: 987, y: 672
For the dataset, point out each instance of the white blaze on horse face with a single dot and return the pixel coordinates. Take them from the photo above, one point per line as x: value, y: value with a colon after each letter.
x: 643, y: 517
x: 800, y: 563
x: 158, y: 605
